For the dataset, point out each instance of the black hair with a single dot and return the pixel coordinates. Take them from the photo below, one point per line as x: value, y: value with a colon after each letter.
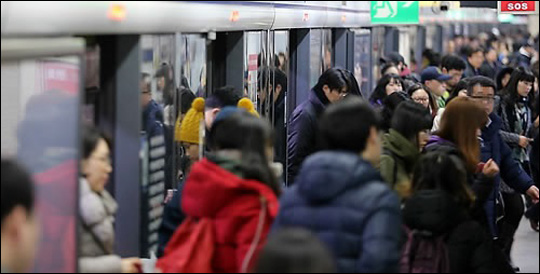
x: 261, y: 58
x: 379, y: 93
x: 335, y: 130
x: 354, y: 88
x: 461, y: 85
x: 483, y: 81
x: 222, y: 97
x: 452, y: 61
x: 500, y: 76
x: 534, y: 69
x: 417, y: 86
x: 464, y: 50
x: 275, y: 75
x: 410, y: 118
x: 334, y: 78
x: 90, y: 139
x: 17, y: 188
x: 385, y: 67
x: 434, y: 58
x: 249, y: 134
x: 471, y: 51
x: 186, y: 98
x: 295, y: 250
x: 390, y: 105
x: 440, y: 170
x: 510, y: 93
x: 414, y: 87
x: 488, y: 49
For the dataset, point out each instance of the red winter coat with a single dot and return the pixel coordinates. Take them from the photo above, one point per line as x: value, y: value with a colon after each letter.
x: 241, y: 210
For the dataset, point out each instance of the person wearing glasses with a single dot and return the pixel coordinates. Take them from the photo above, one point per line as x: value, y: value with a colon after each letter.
x: 512, y: 180
x: 152, y: 112
x: 97, y: 210
x: 333, y: 86
x: 419, y: 94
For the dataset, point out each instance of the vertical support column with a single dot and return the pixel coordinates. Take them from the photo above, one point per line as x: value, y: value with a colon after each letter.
x: 420, y: 46
x: 350, y: 52
x: 120, y: 102
x: 299, y: 72
x: 234, y: 61
x: 339, y: 52
x: 227, y: 66
x: 438, y: 43
x: 391, y: 40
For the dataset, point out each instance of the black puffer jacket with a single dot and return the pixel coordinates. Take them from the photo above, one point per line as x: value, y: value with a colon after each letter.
x: 470, y: 247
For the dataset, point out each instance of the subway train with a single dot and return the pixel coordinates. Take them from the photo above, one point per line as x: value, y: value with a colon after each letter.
x: 96, y: 52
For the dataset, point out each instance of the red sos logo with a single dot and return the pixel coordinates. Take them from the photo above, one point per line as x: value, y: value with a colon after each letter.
x: 517, y: 6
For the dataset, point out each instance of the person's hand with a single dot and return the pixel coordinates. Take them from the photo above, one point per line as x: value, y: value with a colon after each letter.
x: 491, y: 169
x: 131, y: 265
x: 533, y: 193
x: 524, y: 141
x: 536, y: 123
x: 168, y: 196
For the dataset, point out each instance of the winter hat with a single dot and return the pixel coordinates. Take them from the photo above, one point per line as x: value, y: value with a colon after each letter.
x: 247, y: 104
x: 226, y: 112
x: 189, y: 130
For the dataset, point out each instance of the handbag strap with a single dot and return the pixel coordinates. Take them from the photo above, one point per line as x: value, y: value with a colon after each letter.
x: 101, y: 245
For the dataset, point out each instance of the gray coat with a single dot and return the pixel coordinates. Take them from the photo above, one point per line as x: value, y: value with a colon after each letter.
x: 96, y: 232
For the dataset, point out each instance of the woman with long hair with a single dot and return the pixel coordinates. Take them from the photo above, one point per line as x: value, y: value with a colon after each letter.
x: 388, y: 84
x: 461, y: 126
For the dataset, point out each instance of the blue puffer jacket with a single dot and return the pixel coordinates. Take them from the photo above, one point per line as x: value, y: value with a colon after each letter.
x: 153, y: 119
x: 301, y: 141
x: 493, y: 147
x: 345, y: 202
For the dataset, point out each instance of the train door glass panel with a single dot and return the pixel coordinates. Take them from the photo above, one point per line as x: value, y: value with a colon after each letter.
x: 255, y: 45
x: 362, y: 60
x: 40, y: 128
x: 320, y: 53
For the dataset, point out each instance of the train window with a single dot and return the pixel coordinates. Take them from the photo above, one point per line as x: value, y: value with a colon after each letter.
x: 40, y: 127
x: 254, y: 58
x: 362, y: 60
x: 192, y: 56
x: 315, y: 37
x: 321, y: 53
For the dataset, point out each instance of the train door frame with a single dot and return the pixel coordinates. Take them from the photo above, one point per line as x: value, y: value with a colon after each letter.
x: 120, y: 99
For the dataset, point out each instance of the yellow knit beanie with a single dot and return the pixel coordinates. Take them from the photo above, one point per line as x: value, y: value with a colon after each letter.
x: 247, y: 104
x: 190, y: 127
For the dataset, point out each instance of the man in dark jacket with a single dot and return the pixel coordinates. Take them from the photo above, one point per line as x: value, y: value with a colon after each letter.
x: 493, y: 147
x: 272, y: 97
x: 491, y: 65
x: 152, y: 112
x: 301, y: 142
x: 342, y: 198
x: 475, y: 58
x: 524, y: 55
